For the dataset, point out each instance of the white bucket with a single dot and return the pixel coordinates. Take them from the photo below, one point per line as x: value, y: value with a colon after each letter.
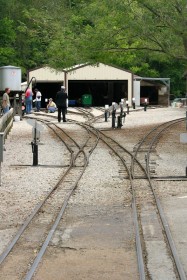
x: 17, y: 118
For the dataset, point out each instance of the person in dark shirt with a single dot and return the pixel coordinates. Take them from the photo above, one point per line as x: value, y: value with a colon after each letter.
x: 61, y: 103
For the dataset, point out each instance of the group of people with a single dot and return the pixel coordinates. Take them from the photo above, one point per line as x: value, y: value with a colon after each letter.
x: 60, y: 105
x: 29, y: 99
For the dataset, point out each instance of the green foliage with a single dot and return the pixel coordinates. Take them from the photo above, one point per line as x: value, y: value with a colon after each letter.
x: 137, y: 35
x: 7, y: 40
x: 146, y: 37
x: 34, y: 37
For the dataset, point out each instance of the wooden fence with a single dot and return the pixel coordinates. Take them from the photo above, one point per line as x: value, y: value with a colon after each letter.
x: 6, y: 122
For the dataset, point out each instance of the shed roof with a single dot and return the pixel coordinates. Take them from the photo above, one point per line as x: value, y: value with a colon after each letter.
x: 165, y: 81
x: 87, y: 71
x: 97, y: 71
x: 97, y: 64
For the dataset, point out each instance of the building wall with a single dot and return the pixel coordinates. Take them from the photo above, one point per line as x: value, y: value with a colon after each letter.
x: 163, y: 96
x: 137, y: 92
x: 46, y: 74
x: 101, y: 72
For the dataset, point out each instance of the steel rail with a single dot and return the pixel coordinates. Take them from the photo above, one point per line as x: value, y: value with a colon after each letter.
x: 57, y: 220
x: 156, y: 137
x: 29, y: 219
x: 140, y: 258
x: 32, y: 215
x: 37, y: 208
x: 141, y: 268
x: 171, y: 243
x: 147, y: 135
x: 161, y: 213
x: 173, y: 249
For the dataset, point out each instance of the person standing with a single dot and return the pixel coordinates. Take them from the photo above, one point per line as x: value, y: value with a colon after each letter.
x: 6, y: 101
x: 38, y: 100
x: 61, y: 102
x: 28, y: 100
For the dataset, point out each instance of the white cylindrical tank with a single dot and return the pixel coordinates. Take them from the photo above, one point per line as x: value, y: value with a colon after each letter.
x: 10, y: 77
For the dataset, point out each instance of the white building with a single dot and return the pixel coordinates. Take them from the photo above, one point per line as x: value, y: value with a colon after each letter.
x: 105, y: 83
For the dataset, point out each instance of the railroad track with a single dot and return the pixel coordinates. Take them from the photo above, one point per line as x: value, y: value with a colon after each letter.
x: 32, y: 239
x: 134, y: 167
x: 140, y: 165
x: 144, y: 151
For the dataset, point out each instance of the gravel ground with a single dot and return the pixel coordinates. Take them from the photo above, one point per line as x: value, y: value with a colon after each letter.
x: 23, y: 185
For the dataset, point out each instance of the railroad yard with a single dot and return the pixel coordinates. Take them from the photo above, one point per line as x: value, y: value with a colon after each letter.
x: 102, y: 203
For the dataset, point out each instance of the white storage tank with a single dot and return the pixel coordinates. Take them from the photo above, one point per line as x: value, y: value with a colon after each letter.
x: 10, y: 77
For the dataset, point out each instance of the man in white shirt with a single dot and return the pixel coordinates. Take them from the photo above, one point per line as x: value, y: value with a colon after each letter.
x: 38, y: 100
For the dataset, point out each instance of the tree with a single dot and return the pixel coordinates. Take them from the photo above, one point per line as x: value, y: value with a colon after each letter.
x: 7, y: 40
x: 145, y: 36
x: 142, y: 25
x: 162, y: 26
x: 136, y: 35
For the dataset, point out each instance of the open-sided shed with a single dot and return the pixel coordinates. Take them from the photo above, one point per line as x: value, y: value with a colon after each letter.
x: 105, y: 83
x: 155, y: 90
